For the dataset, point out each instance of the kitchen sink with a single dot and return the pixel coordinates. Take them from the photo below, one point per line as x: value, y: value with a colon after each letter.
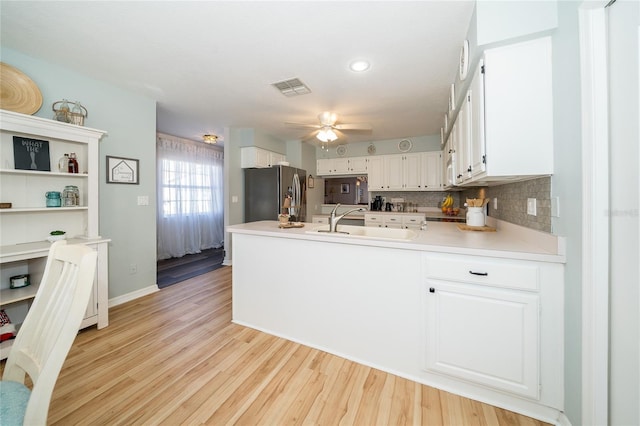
x: 366, y: 232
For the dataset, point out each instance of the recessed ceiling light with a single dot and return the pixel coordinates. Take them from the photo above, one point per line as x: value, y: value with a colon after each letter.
x: 359, y: 65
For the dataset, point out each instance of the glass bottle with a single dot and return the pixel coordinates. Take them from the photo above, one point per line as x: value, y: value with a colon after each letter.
x: 73, y: 163
x: 63, y: 164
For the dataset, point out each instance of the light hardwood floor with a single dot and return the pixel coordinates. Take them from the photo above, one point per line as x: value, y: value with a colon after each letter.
x: 174, y: 357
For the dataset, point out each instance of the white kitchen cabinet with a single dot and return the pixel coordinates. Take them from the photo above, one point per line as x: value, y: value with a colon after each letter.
x: 484, y: 321
x: 394, y: 220
x: 431, y: 171
x: 25, y: 226
x: 321, y: 219
x: 375, y: 173
x: 448, y: 163
x: 332, y: 166
x: 412, y: 221
x: 357, y: 165
x: 253, y: 157
x: 403, y: 172
x: 462, y: 141
x: 510, y: 113
x: 393, y: 172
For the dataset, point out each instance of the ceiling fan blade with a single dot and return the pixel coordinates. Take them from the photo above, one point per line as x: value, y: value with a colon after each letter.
x: 302, y: 125
x: 353, y: 126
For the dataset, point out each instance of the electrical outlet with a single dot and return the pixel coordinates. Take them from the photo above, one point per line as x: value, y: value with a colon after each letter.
x: 531, y: 206
x: 143, y: 200
x: 495, y: 203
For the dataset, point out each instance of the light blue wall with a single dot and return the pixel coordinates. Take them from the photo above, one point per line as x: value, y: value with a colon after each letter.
x: 566, y: 184
x: 130, y: 121
x: 524, y: 18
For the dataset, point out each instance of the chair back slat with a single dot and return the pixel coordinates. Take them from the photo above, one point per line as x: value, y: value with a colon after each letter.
x: 48, y: 331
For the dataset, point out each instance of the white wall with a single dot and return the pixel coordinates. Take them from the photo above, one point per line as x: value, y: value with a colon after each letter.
x: 624, y: 116
x: 130, y: 121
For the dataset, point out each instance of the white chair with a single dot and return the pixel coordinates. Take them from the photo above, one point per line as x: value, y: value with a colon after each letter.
x: 46, y: 335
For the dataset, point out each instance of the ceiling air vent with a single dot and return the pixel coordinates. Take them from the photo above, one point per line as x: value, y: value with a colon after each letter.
x: 292, y: 87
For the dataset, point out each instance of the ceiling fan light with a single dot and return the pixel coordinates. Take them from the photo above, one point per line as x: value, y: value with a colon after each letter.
x: 359, y: 65
x: 211, y: 139
x: 331, y: 135
x: 322, y: 135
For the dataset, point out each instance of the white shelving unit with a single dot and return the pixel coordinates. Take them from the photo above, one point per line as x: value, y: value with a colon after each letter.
x: 25, y: 226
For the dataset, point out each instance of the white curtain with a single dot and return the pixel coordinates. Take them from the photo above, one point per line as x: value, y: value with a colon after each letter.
x: 190, y: 191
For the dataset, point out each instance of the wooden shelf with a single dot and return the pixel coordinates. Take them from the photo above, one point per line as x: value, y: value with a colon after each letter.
x: 41, y: 209
x: 13, y: 295
x: 42, y: 173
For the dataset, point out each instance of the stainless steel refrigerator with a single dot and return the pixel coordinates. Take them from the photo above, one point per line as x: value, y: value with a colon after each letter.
x: 266, y: 192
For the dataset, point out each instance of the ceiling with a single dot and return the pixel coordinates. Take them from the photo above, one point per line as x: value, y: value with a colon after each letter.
x: 210, y: 64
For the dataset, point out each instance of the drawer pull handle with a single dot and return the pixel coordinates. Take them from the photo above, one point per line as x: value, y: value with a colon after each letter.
x: 484, y: 274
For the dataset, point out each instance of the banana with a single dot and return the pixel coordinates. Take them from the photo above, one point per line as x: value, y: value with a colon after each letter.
x: 448, y: 201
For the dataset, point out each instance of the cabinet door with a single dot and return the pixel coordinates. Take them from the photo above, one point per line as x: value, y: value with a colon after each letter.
x: 375, y: 173
x: 462, y: 132
x: 484, y: 335
x: 448, y: 164
x: 431, y: 171
x: 393, y: 174
x: 411, y: 172
x: 340, y: 166
x: 358, y: 165
x: 323, y: 167
x: 475, y: 99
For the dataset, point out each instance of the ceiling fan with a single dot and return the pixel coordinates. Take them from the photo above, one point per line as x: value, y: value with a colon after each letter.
x: 328, y: 130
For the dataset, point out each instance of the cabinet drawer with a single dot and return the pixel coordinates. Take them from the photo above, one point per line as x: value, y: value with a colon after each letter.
x: 412, y: 220
x: 497, y: 273
x: 373, y: 218
x: 393, y: 219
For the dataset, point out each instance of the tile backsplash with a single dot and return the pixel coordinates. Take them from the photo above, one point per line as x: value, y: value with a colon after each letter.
x: 512, y: 202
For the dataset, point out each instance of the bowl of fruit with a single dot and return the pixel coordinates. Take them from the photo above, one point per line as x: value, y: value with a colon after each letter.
x: 447, y: 206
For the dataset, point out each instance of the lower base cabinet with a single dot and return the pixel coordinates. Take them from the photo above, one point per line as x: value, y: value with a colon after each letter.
x: 484, y: 335
x: 484, y: 323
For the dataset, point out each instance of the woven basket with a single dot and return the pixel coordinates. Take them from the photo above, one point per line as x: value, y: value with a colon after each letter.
x: 67, y: 116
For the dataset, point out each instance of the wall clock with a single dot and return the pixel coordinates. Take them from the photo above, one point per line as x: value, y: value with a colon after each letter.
x: 341, y: 150
x: 464, y: 60
x: 404, y: 145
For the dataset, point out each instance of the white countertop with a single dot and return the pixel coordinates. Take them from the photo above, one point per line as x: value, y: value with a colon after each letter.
x: 509, y: 241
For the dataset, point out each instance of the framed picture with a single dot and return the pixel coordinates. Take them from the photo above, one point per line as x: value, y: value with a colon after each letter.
x: 31, y: 154
x: 122, y: 170
x: 344, y: 188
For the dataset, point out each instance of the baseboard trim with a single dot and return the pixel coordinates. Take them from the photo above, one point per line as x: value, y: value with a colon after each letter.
x: 119, y: 300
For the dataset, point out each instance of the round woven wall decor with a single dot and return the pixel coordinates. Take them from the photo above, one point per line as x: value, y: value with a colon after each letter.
x: 18, y: 93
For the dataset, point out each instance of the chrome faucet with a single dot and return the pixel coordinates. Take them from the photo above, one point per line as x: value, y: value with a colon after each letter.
x: 333, y: 219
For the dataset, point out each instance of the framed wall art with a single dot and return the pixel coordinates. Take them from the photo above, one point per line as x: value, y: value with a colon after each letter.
x: 123, y: 170
x: 31, y: 154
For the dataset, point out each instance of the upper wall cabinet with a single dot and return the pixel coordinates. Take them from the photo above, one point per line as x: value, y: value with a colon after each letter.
x: 504, y: 129
x: 341, y: 166
x: 252, y: 157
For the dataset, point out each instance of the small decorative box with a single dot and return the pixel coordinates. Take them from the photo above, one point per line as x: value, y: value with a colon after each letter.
x: 19, y: 281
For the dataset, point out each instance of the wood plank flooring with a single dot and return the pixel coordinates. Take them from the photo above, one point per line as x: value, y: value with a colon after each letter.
x: 174, y: 357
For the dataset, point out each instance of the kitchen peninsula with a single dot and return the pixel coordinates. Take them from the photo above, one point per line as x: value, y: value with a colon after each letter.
x: 458, y: 310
